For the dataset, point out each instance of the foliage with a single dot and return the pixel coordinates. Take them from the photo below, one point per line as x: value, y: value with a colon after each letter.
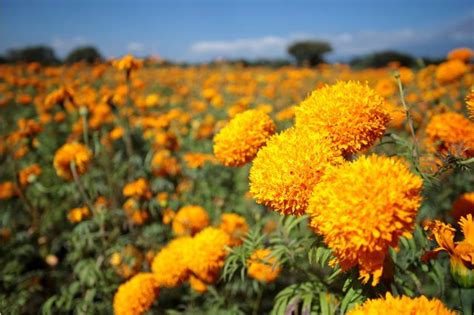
x: 309, y: 53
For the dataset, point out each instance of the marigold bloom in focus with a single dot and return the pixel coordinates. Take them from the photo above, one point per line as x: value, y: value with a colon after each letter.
x: 351, y: 113
x: 463, y: 206
x: 7, y: 190
x: 449, y: 71
x: 401, y: 306
x: 463, y: 54
x: 235, y: 226
x: 450, y: 132
x: 207, y: 254
x: 189, y: 220
x: 238, y: 142
x: 137, y: 295
x: 461, y: 253
x: 69, y: 153
x: 362, y: 208
x: 170, y: 264
x: 29, y: 174
x: 262, y: 266
x: 137, y: 189
x: 286, y: 170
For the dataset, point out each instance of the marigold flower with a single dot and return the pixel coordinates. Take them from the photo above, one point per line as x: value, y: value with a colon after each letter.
x: 207, y: 254
x: 362, y: 208
x: 69, y: 153
x: 29, y: 174
x: 196, y: 160
x: 461, y: 253
x: 137, y: 295
x: 450, y: 71
x: 470, y: 103
x: 401, y: 305
x: 128, y: 63
x: 450, y: 132
x: 235, y: 226
x: 262, y: 266
x: 137, y: 189
x: 76, y: 215
x: 238, y: 142
x: 197, y: 285
x: 351, y: 113
x: 189, y: 220
x: 286, y: 170
x: 164, y: 164
x: 463, y: 206
x: 7, y: 190
x: 463, y: 54
x: 170, y: 265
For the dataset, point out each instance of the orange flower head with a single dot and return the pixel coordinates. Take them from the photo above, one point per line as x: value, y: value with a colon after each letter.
x: 450, y: 71
x: 235, y: 226
x: 189, y: 220
x: 463, y: 54
x: 137, y: 295
x: 7, y: 190
x: 262, y: 266
x: 70, y: 153
x: 463, y: 206
x: 137, y: 189
x: 29, y: 174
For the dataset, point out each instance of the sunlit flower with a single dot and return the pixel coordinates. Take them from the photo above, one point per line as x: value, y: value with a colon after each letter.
x: 69, y: 153
x: 196, y: 160
x: 362, y: 208
x: 189, y: 220
x: 235, y: 226
x: 76, y: 215
x: 164, y: 164
x: 470, y: 102
x: 351, y: 113
x: 463, y: 54
x: 29, y: 174
x: 137, y: 295
x: 238, y: 142
x: 7, y: 190
x: 197, y: 284
x: 401, y: 306
x: 451, y: 70
x: 262, y: 266
x: 137, y: 189
x: 286, y: 170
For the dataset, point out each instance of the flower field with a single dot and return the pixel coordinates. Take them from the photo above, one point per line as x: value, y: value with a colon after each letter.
x: 135, y: 187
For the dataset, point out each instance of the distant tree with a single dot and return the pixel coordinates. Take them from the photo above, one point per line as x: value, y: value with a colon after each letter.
x: 309, y: 52
x: 87, y: 54
x: 43, y: 54
x: 382, y: 59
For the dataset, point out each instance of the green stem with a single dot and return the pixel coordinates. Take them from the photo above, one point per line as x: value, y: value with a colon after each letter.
x: 258, y: 301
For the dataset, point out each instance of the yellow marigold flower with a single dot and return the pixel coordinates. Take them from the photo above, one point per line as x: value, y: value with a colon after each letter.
x: 137, y: 189
x: 197, y: 285
x: 463, y: 206
x: 451, y: 70
x: 137, y: 295
x: 362, y: 208
x: 7, y: 190
x: 29, y: 174
x: 69, y: 153
x: 262, y: 266
x: 128, y: 63
x: 235, y: 226
x: 461, y: 253
x: 463, y: 54
x: 116, y: 133
x: 170, y: 265
x: 196, y: 160
x: 152, y: 100
x: 288, y: 167
x: 470, y: 103
x: 450, y: 132
x: 207, y: 254
x: 76, y: 215
x: 401, y: 306
x: 189, y: 220
x: 352, y: 114
x: 238, y: 142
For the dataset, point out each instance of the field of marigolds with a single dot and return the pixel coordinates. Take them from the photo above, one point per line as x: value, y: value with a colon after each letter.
x: 133, y: 187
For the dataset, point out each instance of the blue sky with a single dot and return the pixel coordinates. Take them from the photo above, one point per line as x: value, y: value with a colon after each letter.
x: 202, y: 30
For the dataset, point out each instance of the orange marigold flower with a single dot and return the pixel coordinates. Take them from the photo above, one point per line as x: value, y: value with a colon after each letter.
x: 351, y: 113
x: 7, y: 190
x: 401, y: 305
x: 128, y: 63
x: 461, y: 253
x: 288, y: 167
x: 76, y: 215
x: 197, y: 284
x: 29, y: 174
x: 450, y: 71
x: 207, y: 254
x: 137, y: 189
x: 137, y: 295
x: 69, y: 153
x: 197, y: 160
x: 362, y: 208
x: 470, y: 103
x: 450, y: 132
x: 463, y: 54
x: 238, y: 142
x: 170, y: 265
x: 463, y: 206
x: 164, y: 164
x: 189, y: 220
x: 262, y: 266
x: 235, y: 226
